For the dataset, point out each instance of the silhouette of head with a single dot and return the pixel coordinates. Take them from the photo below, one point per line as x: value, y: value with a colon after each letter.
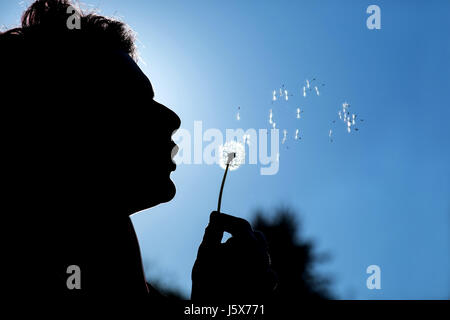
x: 84, y: 115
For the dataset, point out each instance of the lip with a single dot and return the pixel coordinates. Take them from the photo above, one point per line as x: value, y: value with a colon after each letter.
x: 174, y: 151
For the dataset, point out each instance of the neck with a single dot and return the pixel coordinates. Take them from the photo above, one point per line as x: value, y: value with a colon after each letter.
x: 102, y: 240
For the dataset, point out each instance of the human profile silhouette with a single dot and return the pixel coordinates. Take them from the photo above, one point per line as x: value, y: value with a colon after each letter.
x: 91, y: 147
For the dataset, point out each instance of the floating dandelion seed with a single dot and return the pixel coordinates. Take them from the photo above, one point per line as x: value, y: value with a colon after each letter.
x: 274, y: 125
x: 307, y: 83
x: 232, y: 155
x: 238, y: 117
x: 345, y: 106
x: 284, y: 136
x: 296, y: 134
x: 304, y: 91
x: 349, y: 125
x: 317, y: 90
x: 329, y: 134
x: 298, y: 113
x: 274, y: 95
x: 270, y: 116
x: 348, y: 118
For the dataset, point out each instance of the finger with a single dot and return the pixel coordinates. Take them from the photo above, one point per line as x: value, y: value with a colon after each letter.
x: 220, y: 222
x: 212, y: 237
x: 237, y: 227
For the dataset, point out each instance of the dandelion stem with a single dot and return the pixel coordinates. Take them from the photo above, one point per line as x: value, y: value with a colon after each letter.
x: 221, y: 188
x: 230, y: 156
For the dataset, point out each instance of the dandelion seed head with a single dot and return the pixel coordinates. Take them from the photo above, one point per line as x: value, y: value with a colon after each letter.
x: 231, y: 152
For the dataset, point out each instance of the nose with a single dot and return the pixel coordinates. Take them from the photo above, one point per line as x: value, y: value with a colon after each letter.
x: 173, y: 119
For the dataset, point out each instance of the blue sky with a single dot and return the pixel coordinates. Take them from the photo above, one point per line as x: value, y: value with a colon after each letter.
x: 379, y: 196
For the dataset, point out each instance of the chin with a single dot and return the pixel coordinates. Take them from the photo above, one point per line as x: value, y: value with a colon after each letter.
x: 166, y: 191
x: 171, y: 190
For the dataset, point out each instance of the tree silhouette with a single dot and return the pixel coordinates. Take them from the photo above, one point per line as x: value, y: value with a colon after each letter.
x: 292, y: 257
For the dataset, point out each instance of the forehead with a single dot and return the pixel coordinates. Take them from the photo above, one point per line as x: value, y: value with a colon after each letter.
x: 122, y: 65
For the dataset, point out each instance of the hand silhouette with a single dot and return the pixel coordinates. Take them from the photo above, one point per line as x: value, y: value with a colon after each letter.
x: 237, y: 270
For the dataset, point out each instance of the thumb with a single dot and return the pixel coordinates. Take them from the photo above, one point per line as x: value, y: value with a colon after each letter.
x: 213, y: 234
